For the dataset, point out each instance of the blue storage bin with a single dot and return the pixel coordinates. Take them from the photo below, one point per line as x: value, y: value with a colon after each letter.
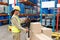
x: 1, y: 18
x: 36, y: 17
x: 45, y: 11
x: 0, y: 23
x: 51, y: 11
x: 30, y: 17
x: 6, y: 17
x: 22, y: 7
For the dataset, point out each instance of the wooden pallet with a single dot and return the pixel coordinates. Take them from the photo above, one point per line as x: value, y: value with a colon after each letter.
x: 56, y: 35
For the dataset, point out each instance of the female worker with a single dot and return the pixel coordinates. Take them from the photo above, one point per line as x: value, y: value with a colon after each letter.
x: 15, y: 20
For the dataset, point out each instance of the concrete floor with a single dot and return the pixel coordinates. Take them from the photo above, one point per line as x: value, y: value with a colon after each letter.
x: 4, y: 33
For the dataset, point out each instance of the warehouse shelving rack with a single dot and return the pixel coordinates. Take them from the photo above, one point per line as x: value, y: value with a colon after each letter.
x: 53, y: 16
x: 3, y: 15
x: 28, y: 3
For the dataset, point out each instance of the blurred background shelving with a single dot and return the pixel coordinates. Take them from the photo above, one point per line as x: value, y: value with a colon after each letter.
x: 3, y: 12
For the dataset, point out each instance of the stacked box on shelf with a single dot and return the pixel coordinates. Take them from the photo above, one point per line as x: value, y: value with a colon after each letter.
x: 1, y: 8
x: 6, y: 9
x: 1, y: 17
x: 28, y: 9
x: 21, y: 6
x: 48, y: 22
x: 34, y: 10
x: 6, y: 1
x: 43, y: 21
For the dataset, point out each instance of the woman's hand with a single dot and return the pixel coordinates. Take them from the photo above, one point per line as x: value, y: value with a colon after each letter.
x: 27, y: 30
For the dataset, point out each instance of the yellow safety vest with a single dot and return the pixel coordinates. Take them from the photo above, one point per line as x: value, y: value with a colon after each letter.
x: 14, y: 28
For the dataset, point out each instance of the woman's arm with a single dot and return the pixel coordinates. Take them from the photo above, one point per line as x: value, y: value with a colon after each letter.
x: 17, y: 24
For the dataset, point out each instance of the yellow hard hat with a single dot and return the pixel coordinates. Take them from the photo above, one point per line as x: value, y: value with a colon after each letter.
x: 16, y: 7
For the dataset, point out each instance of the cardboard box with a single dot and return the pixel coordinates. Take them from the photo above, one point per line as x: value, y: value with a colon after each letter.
x: 35, y: 27
x: 47, y: 31
x: 33, y: 37
x: 40, y: 37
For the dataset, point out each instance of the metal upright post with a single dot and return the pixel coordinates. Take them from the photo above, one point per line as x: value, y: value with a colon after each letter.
x: 9, y: 12
x: 41, y: 11
x: 53, y: 21
x: 54, y: 15
x: 16, y: 2
x: 57, y: 23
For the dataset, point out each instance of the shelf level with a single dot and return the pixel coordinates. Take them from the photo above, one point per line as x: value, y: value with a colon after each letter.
x: 47, y: 14
x: 3, y: 20
x: 29, y: 15
x: 28, y: 3
x: 3, y: 14
x: 3, y: 3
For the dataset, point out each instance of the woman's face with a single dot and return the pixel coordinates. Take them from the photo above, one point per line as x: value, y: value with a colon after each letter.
x: 16, y: 13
